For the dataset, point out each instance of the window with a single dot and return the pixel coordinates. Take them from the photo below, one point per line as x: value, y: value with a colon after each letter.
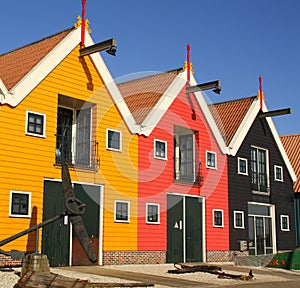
x: 73, y: 137
x: 211, y: 160
x: 239, y: 219
x: 113, y: 140
x: 160, y: 149
x: 35, y: 124
x: 285, y: 222
x: 184, y: 155
x: 152, y: 213
x: 259, y: 170
x: 242, y: 166
x: 122, y: 211
x: 278, y: 173
x: 20, y: 204
x: 218, y: 218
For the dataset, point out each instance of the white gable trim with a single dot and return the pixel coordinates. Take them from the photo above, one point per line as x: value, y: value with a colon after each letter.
x: 50, y: 61
x: 209, y: 118
x: 42, y: 69
x: 112, y: 88
x: 281, y: 149
x: 167, y: 99
x: 244, y: 128
x: 163, y: 105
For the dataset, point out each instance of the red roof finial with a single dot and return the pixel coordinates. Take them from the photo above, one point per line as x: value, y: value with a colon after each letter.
x: 188, y: 47
x: 83, y: 2
x: 261, y: 96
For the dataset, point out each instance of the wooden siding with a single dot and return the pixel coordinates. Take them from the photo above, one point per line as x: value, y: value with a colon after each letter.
x: 156, y: 177
x: 26, y: 160
x: 240, y: 191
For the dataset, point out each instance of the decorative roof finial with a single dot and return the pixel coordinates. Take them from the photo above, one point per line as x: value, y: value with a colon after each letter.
x: 79, y: 22
x: 260, y: 94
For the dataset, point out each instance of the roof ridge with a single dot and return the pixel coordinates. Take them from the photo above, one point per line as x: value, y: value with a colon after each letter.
x: 233, y: 100
x: 37, y: 41
x: 289, y: 135
x: 174, y: 71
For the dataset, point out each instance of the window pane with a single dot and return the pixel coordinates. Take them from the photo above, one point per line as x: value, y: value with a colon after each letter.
x: 160, y: 149
x: 122, y: 211
x: 64, y: 135
x: 152, y: 213
x: 20, y: 204
x: 218, y: 218
x: 113, y: 139
x: 83, y: 137
x: 239, y: 219
x: 35, y: 123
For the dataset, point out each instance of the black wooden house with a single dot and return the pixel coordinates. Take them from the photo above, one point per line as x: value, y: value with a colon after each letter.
x: 260, y: 179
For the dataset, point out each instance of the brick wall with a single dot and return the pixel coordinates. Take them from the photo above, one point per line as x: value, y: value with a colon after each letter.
x: 7, y: 261
x: 224, y: 256
x: 133, y: 257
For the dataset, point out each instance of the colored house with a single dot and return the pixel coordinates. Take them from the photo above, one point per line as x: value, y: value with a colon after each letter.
x: 182, y: 171
x: 260, y: 179
x: 56, y: 107
x: 291, y: 144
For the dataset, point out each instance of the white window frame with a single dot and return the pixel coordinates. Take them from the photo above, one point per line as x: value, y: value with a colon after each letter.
x: 128, y: 211
x: 158, y: 213
x: 215, y: 154
x: 243, y: 219
x: 120, y: 144
x: 282, y: 217
x: 43, y: 135
x: 166, y: 149
x: 213, y: 214
x: 278, y: 167
x: 11, y: 214
x: 239, y: 161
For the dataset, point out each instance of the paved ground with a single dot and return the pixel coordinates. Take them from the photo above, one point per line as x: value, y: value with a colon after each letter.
x: 157, y: 274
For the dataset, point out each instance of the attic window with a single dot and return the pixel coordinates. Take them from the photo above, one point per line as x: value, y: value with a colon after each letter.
x: 35, y: 124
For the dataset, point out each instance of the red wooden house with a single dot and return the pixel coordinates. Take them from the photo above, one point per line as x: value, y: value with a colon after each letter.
x: 182, y: 171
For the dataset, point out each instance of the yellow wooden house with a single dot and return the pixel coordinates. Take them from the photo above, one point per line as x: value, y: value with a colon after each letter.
x: 56, y: 106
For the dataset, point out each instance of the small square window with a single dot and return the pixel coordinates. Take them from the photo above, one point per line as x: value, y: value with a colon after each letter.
x: 218, y: 218
x: 211, y: 160
x: 20, y: 203
x: 122, y: 209
x: 114, y: 140
x: 242, y: 166
x: 278, y: 173
x: 239, y: 219
x: 152, y: 213
x: 35, y: 124
x: 285, y: 222
x: 160, y: 149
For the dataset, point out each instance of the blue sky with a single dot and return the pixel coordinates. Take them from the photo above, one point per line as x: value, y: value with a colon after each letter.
x: 234, y: 41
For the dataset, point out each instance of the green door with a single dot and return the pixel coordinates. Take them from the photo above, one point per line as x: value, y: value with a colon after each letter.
x: 90, y: 196
x: 193, y: 231
x: 185, y: 229
x: 56, y: 236
x: 175, y: 229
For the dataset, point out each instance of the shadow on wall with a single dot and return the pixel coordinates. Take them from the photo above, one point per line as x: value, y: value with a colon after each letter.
x: 32, y: 236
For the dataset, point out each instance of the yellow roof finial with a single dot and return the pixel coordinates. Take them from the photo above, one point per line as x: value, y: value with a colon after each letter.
x: 186, y: 65
x: 79, y: 22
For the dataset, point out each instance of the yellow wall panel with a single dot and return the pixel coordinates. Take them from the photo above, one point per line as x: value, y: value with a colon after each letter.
x: 25, y: 161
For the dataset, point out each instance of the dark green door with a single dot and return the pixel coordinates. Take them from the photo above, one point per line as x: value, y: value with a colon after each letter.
x: 90, y: 196
x: 175, y: 229
x: 193, y: 224
x: 185, y: 229
x: 56, y: 236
